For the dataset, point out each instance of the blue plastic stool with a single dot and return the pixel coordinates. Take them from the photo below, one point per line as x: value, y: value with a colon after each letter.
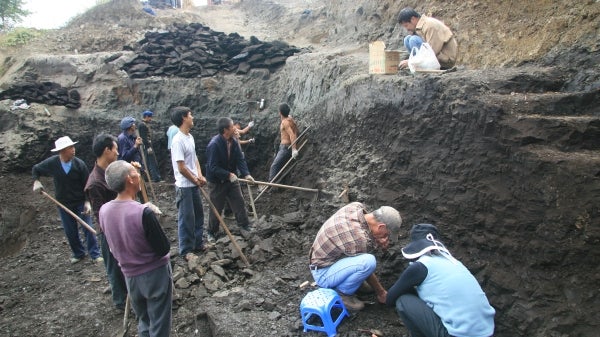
x: 321, y: 302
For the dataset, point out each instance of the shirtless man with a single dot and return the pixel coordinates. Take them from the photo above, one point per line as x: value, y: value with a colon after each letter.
x: 289, y: 132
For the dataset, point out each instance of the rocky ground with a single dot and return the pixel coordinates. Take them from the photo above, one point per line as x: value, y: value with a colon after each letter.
x: 501, y: 155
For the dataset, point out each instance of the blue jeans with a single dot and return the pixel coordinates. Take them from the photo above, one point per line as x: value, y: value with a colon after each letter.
x: 283, y: 155
x: 71, y: 227
x: 115, y: 276
x: 412, y: 41
x: 190, y: 219
x: 152, y: 300
x: 347, y: 274
x: 419, y: 318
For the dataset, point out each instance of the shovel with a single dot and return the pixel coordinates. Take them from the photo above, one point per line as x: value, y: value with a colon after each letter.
x: 81, y: 222
x: 125, y: 318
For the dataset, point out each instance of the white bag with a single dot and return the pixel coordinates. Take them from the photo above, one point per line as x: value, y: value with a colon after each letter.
x: 423, y: 59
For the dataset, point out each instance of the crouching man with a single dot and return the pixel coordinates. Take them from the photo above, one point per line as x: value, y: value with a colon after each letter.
x: 339, y: 257
x: 142, y: 249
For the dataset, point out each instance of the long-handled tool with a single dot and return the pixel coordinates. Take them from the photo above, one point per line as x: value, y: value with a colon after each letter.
x: 279, y: 185
x: 142, y: 150
x: 252, y: 202
x: 126, y: 317
x: 83, y: 223
x: 142, y: 184
x: 214, y: 209
x: 280, y: 171
x: 299, y: 136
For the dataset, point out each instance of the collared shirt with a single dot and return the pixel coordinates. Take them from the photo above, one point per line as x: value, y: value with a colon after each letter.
x: 220, y: 161
x: 127, y: 150
x: 68, y: 187
x: 97, y: 190
x: 440, y: 38
x: 346, y: 233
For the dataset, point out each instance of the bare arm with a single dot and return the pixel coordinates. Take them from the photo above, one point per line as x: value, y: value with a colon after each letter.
x: 373, y: 281
x: 198, y: 180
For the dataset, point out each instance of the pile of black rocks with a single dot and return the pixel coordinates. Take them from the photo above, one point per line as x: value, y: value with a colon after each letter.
x: 194, y: 50
x: 49, y: 93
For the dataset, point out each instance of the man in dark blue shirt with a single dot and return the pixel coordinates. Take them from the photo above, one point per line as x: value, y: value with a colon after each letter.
x: 70, y: 175
x: 223, y: 159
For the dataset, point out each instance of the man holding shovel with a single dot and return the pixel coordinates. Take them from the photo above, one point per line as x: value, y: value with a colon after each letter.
x: 188, y: 180
x: 224, y: 159
x: 138, y: 242
x: 129, y: 143
x: 289, y: 131
x: 70, y: 175
x: 98, y: 192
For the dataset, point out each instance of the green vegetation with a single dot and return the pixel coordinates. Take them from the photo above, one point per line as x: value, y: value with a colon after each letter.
x: 18, y: 37
x: 11, y: 12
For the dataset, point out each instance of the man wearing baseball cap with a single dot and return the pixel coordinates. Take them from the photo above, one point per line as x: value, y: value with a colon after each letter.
x: 70, y: 176
x: 339, y: 257
x: 128, y: 142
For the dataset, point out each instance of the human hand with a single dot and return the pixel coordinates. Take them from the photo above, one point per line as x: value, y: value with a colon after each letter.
x: 136, y: 165
x: 251, y: 140
x: 87, y: 208
x: 232, y: 178
x: 138, y: 141
x: 294, y: 153
x: 153, y: 208
x: 382, y: 296
x: 403, y: 64
x: 251, y: 180
x: 251, y: 124
x: 150, y: 151
x: 201, y: 181
x: 37, y: 186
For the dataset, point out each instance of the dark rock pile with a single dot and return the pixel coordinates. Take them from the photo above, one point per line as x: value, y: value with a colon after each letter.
x: 49, y: 93
x: 195, y: 50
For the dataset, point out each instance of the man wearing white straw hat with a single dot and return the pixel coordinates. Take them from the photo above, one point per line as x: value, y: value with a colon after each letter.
x: 70, y: 175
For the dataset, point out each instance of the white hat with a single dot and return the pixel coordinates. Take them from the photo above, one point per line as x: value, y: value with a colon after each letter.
x: 62, y: 143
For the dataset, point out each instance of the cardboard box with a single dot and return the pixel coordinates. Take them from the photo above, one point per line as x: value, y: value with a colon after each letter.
x: 382, y: 61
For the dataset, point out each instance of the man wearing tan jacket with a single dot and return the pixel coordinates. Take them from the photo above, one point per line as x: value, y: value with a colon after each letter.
x: 432, y: 31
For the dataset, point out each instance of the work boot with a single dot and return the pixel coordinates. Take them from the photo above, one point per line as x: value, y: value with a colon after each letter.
x: 352, y: 303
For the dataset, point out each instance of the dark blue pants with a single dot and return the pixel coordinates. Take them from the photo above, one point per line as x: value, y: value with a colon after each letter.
x: 419, y: 318
x: 116, y: 279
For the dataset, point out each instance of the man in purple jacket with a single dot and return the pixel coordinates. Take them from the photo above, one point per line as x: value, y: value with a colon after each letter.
x: 142, y: 249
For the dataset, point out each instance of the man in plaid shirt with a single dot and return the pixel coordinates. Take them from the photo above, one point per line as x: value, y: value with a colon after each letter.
x: 339, y: 257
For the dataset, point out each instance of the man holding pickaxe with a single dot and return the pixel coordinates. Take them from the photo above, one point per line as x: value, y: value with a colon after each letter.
x: 70, y: 175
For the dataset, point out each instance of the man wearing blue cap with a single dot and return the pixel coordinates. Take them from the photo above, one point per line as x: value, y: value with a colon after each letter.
x: 128, y: 142
x: 146, y: 135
